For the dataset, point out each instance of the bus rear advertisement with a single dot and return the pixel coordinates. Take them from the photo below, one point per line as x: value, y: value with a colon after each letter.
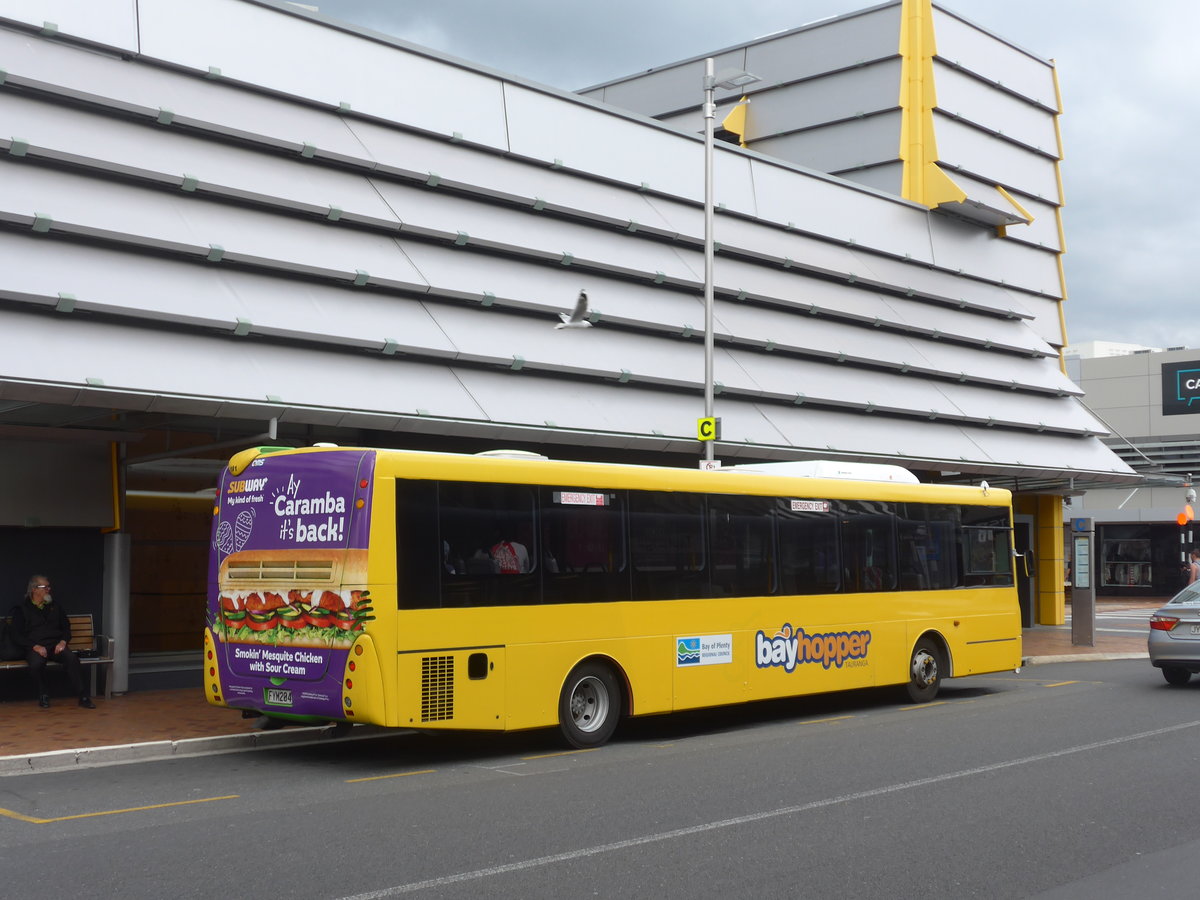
x: 507, y: 592
x: 288, y: 592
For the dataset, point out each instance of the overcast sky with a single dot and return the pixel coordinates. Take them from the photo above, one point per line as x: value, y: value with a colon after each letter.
x: 1130, y: 79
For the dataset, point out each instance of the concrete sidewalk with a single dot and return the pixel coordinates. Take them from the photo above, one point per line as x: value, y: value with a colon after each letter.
x: 1121, y: 631
x: 165, y: 724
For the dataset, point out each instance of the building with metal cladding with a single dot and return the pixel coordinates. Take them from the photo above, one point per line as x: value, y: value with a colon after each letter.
x: 248, y: 223
x: 1150, y: 400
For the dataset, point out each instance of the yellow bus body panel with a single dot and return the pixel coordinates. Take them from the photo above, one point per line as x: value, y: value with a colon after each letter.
x: 503, y: 668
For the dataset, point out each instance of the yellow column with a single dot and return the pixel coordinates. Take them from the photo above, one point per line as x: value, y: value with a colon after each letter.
x: 1048, y: 524
x: 1049, y: 599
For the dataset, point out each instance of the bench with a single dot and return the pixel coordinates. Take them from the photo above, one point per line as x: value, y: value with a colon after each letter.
x: 94, y: 650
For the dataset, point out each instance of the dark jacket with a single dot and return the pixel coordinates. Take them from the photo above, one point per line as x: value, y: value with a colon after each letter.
x: 46, y: 626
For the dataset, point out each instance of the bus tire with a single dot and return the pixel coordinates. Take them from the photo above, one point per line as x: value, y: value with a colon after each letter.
x: 924, y: 672
x: 589, y: 705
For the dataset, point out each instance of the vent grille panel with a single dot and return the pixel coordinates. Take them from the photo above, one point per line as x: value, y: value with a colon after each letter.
x: 247, y: 571
x: 437, y: 688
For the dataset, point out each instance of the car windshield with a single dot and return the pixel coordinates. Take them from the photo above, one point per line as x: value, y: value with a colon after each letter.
x: 1189, y: 595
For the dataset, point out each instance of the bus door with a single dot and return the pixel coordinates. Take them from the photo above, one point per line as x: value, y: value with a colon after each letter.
x: 1023, y: 547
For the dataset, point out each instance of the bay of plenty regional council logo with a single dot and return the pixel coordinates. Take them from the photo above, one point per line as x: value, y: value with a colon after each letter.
x: 687, y: 652
x: 704, y: 650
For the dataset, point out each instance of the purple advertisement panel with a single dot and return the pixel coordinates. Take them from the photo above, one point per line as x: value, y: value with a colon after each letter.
x: 300, y: 500
x: 287, y: 578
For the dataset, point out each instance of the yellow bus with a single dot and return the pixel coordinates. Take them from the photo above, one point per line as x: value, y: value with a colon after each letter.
x: 508, y: 591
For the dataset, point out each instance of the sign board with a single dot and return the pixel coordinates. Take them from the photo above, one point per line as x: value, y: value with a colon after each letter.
x: 1181, y: 388
x: 708, y: 428
x: 1082, y: 573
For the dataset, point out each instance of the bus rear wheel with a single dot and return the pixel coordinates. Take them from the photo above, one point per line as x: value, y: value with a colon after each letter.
x: 589, y: 705
x: 924, y: 672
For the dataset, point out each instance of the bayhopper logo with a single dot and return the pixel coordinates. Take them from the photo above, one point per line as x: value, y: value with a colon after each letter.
x: 1181, y: 388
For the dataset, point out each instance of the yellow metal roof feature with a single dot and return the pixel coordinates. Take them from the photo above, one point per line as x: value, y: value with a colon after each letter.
x: 923, y: 181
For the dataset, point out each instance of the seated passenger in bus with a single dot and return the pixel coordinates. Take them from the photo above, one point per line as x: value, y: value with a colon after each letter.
x: 480, y: 563
x: 511, y: 557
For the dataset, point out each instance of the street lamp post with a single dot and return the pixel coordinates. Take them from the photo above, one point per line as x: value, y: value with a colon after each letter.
x: 710, y: 83
x: 729, y: 80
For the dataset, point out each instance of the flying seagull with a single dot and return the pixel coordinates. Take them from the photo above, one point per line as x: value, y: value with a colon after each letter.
x: 578, y: 316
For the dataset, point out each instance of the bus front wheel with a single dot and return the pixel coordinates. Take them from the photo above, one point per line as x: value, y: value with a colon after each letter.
x: 589, y: 705
x: 924, y: 672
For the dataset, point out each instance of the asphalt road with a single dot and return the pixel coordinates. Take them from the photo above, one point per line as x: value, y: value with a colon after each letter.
x: 1068, y: 780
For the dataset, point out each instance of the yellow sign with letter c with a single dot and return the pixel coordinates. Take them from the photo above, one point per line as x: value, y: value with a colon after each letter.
x: 708, y: 428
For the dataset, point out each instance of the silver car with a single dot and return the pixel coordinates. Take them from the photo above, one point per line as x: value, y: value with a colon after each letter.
x: 1174, y: 641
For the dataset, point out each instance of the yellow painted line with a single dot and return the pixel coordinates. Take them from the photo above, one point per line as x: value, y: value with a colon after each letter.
x: 924, y: 705
x: 110, y: 812
x: 394, y: 775
x: 563, y: 753
x: 1060, y: 683
x: 823, y: 721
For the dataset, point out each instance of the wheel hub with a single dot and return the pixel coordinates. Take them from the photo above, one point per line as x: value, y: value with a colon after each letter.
x: 589, y: 704
x: 924, y: 669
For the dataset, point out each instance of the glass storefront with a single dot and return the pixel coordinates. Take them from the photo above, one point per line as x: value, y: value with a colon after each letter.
x: 1139, y: 559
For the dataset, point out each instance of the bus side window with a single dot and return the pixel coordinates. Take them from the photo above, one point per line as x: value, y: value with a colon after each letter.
x: 808, y: 551
x: 986, y: 546
x: 868, y: 547
x: 583, y: 546
x: 926, y: 543
x: 741, y: 545
x: 418, y: 549
x: 667, y: 546
x: 491, y: 529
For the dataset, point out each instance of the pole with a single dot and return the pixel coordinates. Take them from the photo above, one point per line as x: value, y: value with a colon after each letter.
x: 116, y: 605
x: 1083, y: 587
x: 709, y: 115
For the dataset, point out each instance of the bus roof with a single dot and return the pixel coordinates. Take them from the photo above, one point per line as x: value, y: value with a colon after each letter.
x: 818, y: 478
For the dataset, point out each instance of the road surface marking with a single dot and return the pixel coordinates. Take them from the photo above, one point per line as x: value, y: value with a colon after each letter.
x: 585, y: 852
x: 109, y: 812
x: 393, y: 775
x: 823, y: 721
x: 1060, y: 683
x: 562, y: 753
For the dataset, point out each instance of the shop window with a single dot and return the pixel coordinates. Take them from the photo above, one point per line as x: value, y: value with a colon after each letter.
x: 1126, y: 558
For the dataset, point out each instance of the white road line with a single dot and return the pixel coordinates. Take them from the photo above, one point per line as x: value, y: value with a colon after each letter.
x: 586, y: 852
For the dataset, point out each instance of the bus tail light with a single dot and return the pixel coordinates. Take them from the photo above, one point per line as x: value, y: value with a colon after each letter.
x: 1163, y: 623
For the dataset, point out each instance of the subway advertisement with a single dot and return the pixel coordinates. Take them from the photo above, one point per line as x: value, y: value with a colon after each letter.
x: 287, y: 581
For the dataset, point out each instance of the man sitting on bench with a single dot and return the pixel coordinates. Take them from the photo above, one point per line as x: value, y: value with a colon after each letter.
x: 42, y: 629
